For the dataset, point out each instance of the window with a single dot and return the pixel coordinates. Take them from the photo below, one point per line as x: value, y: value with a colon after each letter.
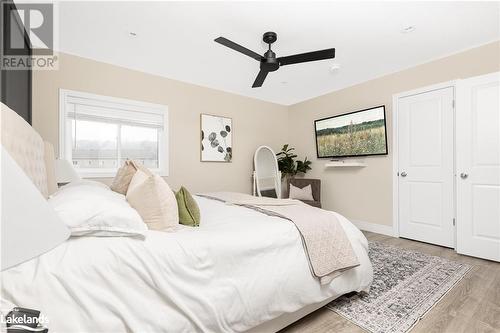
x: 98, y: 133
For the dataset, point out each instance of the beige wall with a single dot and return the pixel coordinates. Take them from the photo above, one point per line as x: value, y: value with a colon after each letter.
x: 362, y: 194
x: 255, y: 122
x: 365, y: 194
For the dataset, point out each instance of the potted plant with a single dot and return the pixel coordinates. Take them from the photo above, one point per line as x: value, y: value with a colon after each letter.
x: 288, y: 166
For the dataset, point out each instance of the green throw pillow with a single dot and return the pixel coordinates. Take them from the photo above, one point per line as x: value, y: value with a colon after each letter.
x: 189, y: 212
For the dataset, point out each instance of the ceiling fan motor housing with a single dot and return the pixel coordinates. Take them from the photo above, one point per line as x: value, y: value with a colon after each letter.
x: 269, y: 62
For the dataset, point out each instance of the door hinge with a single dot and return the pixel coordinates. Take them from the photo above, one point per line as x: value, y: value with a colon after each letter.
x: 453, y: 103
x: 454, y: 222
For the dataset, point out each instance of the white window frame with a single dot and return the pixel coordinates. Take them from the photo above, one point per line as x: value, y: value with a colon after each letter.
x: 65, y: 96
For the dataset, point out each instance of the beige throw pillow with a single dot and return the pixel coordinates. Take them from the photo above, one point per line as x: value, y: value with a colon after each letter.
x: 304, y: 193
x: 123, y: 177
x: 139, y: 177
x: 139, y: 166
x: 153, y: 199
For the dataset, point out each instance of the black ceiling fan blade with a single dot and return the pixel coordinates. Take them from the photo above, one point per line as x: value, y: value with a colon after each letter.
x: 259, y: 80
x: 238, y: 47
x: 305, y: 57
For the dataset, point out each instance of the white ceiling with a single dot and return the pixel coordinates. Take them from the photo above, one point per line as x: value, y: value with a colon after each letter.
x: 175, y: 39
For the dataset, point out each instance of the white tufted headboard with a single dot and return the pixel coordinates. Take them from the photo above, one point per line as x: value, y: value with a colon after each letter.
x: 28, y: 149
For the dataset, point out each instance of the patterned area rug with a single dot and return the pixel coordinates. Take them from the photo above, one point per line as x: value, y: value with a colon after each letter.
x: 406, y: 285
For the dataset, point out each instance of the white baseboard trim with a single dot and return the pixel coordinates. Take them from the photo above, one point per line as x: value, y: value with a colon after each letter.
x: 374, y: 227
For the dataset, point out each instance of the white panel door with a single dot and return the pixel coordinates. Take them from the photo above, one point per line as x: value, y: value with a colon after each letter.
x: 478, y: 167
x: 425, y: 152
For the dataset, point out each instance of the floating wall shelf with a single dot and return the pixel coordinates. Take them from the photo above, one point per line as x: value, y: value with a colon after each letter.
x: 343, y: 164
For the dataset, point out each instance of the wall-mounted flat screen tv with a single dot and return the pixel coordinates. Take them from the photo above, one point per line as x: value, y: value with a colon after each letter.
x: 359, y: 133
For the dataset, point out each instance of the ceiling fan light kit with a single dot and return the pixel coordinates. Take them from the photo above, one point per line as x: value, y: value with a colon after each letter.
x: 269, y: 62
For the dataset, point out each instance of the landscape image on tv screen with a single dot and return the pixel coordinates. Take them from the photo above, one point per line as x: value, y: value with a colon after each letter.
x: 359, y: 133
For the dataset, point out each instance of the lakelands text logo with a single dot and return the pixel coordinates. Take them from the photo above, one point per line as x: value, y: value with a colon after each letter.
x: 28, y: 36
x: 42, y: 320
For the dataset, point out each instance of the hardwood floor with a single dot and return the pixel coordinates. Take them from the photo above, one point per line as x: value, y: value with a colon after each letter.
x: 473, y: 305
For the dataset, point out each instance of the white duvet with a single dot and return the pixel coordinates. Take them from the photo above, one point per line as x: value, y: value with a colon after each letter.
x: 221, y: 277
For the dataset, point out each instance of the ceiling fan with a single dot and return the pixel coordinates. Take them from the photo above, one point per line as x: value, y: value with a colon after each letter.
x: 269, y: 62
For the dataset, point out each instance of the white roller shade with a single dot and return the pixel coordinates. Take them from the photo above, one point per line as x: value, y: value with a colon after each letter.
x: 116, y: 116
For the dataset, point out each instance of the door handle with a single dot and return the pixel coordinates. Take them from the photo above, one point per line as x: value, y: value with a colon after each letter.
x: 403, y: 174
x: 463, y: 175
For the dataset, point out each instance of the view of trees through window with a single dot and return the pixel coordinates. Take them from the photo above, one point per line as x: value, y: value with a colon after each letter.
x: 107, y: 145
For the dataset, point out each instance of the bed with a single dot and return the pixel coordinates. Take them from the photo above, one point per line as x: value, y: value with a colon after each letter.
x: 221, y: 277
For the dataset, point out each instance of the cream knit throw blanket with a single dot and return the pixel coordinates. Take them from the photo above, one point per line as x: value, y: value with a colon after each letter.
x: 326, y: 245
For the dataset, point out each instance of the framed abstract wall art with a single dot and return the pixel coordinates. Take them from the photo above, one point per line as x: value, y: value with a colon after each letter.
x: 216, y: 138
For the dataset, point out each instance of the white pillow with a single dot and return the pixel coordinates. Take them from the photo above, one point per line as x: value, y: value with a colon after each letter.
x: 89, y: 209
x: 304, y: 193
x: 151, y: 196
x: 80, y: 182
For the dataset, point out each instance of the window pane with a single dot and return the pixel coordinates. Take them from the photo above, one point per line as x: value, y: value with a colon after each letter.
x: 141, y: 144
x: 95, y: 144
